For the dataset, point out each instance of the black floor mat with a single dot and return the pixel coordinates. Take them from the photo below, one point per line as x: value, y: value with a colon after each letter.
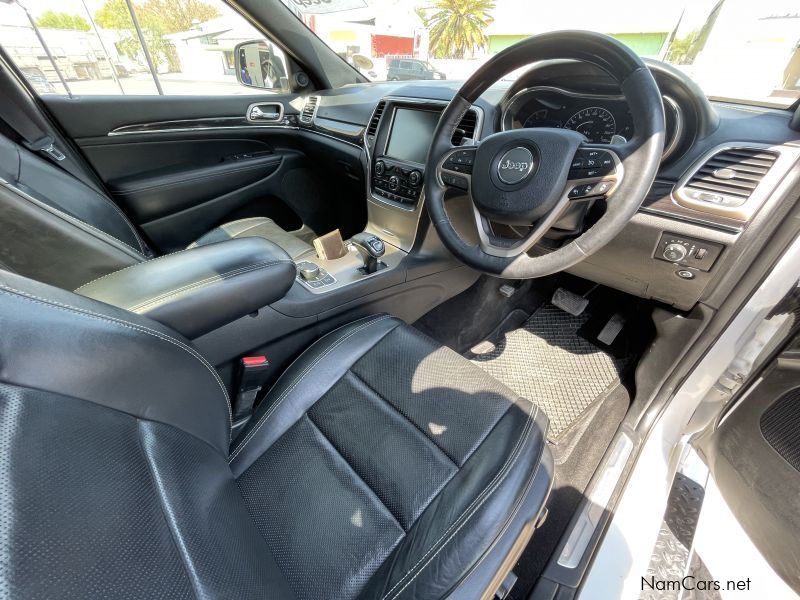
x: 550, y: 361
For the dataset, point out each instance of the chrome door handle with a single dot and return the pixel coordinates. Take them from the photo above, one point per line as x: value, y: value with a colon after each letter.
x: 265, y: 112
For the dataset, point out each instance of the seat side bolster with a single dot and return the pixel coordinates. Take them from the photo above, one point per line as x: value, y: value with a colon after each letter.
x: 476, y: 518
x: 304, y: 382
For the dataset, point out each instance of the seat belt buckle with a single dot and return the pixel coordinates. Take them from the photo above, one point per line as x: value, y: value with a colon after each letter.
x: 252, y: 374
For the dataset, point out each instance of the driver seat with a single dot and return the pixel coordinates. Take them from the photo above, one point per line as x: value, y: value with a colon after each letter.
x: 381, y: 465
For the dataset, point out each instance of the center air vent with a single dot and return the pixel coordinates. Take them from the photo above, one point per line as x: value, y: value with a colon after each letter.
x: 309, y: 109
x: 466, y: 128
x: 372, y: 130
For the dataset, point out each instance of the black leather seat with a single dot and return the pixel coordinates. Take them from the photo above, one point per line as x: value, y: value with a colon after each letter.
x: 59, y: 230
x: 380, y: 466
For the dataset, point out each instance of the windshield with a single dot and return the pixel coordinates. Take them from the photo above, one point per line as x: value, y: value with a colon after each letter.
x: 742, y: 50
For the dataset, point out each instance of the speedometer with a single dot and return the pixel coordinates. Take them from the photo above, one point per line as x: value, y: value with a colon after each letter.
x: 595, y: 122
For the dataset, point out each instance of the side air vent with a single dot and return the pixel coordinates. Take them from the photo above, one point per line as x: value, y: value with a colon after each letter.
x: 466, y: 128
x: 309, y: 109
x: 730, y: 177
x: 372, y: 129
x: 734, y: 181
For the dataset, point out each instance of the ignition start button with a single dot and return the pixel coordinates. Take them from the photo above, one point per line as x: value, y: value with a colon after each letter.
x: 685, y: 274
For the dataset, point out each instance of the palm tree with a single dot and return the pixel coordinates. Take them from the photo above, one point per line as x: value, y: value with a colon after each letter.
x: 456, y: 26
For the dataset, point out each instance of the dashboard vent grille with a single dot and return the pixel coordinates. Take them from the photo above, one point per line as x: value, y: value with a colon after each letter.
x: 466, y: 128
x: 372, y: 130
x: 730, y: 176
x: 309, y: 108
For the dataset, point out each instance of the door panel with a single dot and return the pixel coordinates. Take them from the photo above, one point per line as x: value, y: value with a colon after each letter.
x: 200, y: 163
x: 754, y: 457
x: 161, y: 192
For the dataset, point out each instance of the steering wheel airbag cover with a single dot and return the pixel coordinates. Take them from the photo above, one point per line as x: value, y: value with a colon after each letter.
x: 531, y: 198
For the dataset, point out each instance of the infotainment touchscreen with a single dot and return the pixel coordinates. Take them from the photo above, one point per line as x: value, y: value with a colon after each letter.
x: 411, y: 135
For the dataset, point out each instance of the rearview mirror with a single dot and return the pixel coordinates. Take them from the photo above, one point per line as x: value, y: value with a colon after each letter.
x: 260, y: 64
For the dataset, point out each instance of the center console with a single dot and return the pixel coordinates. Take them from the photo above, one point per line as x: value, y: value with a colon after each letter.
x: 397, y: 141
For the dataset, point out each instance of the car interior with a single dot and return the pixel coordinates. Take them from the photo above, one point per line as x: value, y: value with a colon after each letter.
x: 360, y: 340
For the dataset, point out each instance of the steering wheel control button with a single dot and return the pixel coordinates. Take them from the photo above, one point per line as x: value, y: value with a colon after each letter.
x: 515, y: 165
x: 685, y: 274
x: 456, y: 181
x: 591, y: 163
x: 460, y: 161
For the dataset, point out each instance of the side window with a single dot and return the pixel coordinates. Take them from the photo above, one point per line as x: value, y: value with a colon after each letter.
x: 168, y: 47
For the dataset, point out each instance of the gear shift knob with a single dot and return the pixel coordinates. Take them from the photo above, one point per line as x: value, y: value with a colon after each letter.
x: 371, y: 248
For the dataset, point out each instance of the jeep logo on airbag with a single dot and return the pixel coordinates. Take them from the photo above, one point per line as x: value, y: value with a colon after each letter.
x: 515, y: 165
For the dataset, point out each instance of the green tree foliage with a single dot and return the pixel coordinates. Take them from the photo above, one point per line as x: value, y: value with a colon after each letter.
x: 61, y: 20
x: 157, y: 18
x: 457, y: 26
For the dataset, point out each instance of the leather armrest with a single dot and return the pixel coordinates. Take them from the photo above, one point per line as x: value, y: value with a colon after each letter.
x: 198, y: 290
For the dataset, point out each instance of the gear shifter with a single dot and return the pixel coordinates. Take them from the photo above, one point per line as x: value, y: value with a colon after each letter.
x: 371, y: 248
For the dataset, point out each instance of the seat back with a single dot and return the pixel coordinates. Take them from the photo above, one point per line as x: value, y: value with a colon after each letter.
x: 54, y: 227
x: 114, y: 481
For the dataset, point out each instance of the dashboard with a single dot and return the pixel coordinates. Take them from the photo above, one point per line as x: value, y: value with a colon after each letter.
x: 694, y: 226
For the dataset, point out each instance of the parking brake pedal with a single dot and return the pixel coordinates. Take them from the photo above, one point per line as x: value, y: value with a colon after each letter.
x: 569, y: 302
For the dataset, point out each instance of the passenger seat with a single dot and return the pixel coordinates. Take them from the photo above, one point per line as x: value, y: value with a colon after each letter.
x: 56, y: 229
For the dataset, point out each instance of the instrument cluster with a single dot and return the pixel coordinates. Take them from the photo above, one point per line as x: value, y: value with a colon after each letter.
x: 599, y: 117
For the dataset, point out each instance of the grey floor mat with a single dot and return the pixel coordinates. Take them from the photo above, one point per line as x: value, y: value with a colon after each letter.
x: 546, y: 361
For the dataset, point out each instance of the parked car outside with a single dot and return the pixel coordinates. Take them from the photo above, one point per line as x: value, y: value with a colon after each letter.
x: 404, y: 69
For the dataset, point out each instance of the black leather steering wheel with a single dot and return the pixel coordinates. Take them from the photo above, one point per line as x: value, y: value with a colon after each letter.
x: 529, y: 177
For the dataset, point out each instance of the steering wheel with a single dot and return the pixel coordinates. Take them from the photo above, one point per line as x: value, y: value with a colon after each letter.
x: 530, y: 177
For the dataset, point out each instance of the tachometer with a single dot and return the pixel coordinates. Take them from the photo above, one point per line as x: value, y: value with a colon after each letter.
x: 540, y: 119
x: 595, y: 122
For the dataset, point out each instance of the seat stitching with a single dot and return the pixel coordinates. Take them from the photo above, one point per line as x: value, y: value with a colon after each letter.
x: 178, y: 543
x: 207, y: 281
x: 297, y: 380
x: 67, y: 217
x: 405, y: 418
x: 264, y: 221
x: 356, y: 473
x: 130, y: 267
x: 126, y: 221
x: 134, y: 326
x: 471, y: 509
x: 238, y: 233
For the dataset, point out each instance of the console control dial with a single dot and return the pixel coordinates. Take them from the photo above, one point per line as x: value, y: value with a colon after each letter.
x: 380, y: 167
x: 675, y: 252
x: 394, y: 182
x: 414, y: 178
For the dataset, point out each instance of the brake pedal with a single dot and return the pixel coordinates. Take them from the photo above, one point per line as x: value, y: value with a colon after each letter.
x: 569, y: 302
